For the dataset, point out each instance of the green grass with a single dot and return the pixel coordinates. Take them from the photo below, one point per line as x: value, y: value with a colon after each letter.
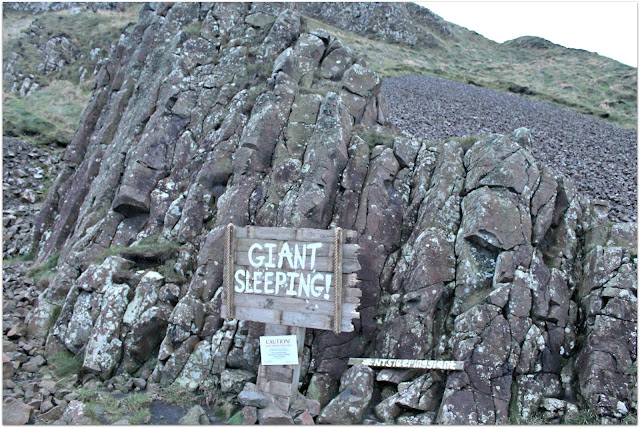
x: 29, y: 257
x: 175, y: 395
x: 374, y: 138
x: 54, y: 315
x: 193, y: 29
x: 65, y: 363
x: 45, y: 270
x: 225, y: 411
x: 148, y: 250
x: 576, y: 80
x: 51, y: 113
x: 586, y: 416
x: 103, y: 407
x: 467, y: 141
x: 236, y: 419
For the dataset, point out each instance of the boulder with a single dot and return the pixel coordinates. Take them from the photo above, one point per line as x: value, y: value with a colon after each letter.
x: 15, y: 412
x: 273, y: 415
x: 354, y: 395
x: 234, y: 380
x: 195, y: 416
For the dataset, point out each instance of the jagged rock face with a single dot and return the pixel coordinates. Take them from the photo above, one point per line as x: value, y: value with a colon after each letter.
x: 383, y: 21
x: 215, y: 113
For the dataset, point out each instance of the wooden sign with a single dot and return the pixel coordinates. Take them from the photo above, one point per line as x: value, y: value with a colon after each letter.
x: 292, y: 277
x: 408, y: 364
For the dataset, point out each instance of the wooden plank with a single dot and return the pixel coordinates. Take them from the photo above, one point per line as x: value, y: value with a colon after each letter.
x: 326, y: 250
x: 321, y: 322
x: 301, y: 294
x: 322, y: 264
x: 285, y: 233
x: 300, y: 333
x: 284, y: 389
x: 292, y: 304
x: 282, y: 373
x: 267, y: 316
x: 282, y: 402
x: 281, y: 381
x: 408, y: 364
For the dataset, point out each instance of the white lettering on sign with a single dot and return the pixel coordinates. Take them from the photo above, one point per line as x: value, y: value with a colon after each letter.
x: 264, y: 256
x: 413, y: 364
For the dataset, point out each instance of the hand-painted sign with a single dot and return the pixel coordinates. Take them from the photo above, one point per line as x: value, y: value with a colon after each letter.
x: 294, y: 277
x: 408, y: 364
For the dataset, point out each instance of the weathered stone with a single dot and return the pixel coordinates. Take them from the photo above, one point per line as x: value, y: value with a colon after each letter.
x: 426, y: 418
x: 387, y: 410
x: 273, y: 415
x: 75, y: 414
x: 15, y: 412
x: 195, y: 416
x: 254, y: 399
x: 498, y: 161
x: 360, y: 81
x: 249, y: 415
x: 54, y: 414
x: 356, y: 390
x: 336, y: 63
x: 196, y: 372
x: 304, y: 418
x: 105, y: 346
x: 234, y: 380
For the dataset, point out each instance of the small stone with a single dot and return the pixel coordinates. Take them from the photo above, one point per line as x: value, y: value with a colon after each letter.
x: 195, y: 416
x: 49, y: 385
x: 7, y: 367
x: 74, y: 414
x: 234, y: 380
x: 140, y: 383
x: 30, y: 367
x: 15, y: 412
x: 17, y: 331
x: 38, y: 360
x: 304, y: 418
x: 249, y: 415
x: 46, y: 406
x: 70, y: 396
x: 273, y: 415
x: 254, y: 399
x: 622, y: 408
x: 35, y: 403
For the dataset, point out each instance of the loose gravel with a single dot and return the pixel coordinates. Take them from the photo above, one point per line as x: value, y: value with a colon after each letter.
x: 599, y: 157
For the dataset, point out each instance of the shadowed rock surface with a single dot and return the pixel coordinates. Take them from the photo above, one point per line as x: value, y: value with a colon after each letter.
x: 214, y: 113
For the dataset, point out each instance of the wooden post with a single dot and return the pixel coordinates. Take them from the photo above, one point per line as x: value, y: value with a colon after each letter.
x: 230, y: 255
x: 337, y: 257
x: 282, y: 381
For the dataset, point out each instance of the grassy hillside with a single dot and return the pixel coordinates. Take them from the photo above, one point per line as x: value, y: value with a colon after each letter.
x: 50, y: 114
x: 582, y: 81
x: 579, y: 80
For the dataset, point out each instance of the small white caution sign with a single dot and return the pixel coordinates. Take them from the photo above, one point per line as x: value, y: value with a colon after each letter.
x: 278, y: 350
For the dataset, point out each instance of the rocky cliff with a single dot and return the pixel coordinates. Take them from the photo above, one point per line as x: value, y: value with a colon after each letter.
x: 208, y: 114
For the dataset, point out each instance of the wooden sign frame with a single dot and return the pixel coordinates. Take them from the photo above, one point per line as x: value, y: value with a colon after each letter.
x: 292, y: 277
